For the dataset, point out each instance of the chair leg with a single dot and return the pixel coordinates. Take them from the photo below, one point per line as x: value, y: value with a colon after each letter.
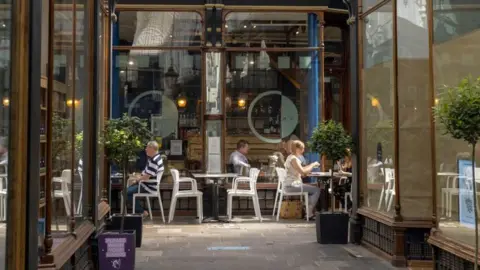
x: 171, y: 211
x: 307, y: 208
x: 199, y: 210
x: 280, y: 200
x: 133, y: 203
x: 200, y: 199
x: 256, y: 205
x: 390, y: 203
x: 382, y: 193
x: 161, y: 207
x: 149, y: 208
x: 122, y: 204
x: 275, y: 203
x: 229, y: 206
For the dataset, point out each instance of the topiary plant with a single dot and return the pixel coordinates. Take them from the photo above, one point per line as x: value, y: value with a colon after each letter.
x: 458, y: 110
x: 123, y: 138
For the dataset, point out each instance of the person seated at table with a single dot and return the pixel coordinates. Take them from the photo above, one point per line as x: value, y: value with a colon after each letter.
x: 152, y: 169
x: 345, y: 166
x: 238, y: 158
x: 290, y: 142
x: 295, y: 171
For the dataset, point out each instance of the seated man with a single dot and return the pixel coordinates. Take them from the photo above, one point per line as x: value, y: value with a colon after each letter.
x: 238, y: 158
x: 152, y: 169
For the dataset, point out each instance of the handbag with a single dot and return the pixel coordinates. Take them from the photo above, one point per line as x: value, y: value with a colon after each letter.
x: 291, y: 209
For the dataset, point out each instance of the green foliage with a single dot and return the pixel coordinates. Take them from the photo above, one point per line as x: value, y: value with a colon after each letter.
x: 124, y: 138
x: 331, y: 140
x: 61, y: 128
x: 458, y: 110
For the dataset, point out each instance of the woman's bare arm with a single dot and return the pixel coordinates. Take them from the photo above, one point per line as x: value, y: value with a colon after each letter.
x: 303, y: 170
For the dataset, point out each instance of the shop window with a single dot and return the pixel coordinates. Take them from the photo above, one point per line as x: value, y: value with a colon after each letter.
x: 266, y: 29
x: 334, y: 48
x: 159, y: 29
x: 454, y: 59
x: 414, y: 111
x: 378, y: 110
x: 164, y: 88
x: 266, y: 100
x: 367, y: 4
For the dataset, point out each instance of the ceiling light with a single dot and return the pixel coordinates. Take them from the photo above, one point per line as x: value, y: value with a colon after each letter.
x: 130, y: 63
x: 244, y: 26
x: 226, y: 25
x: 254, y: 26
x: 252, y: 62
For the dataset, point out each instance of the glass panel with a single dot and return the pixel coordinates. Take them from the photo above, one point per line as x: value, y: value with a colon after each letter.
x: 367, y: 4
x: 160, y: 28
x: 213, y: 157
x: 80, y: 187
x: 334, y: 48
x: 266, y: 29
x: 101, y: 90
x: 63, y: 107
x: 5, y: 64
x: 414, y: 111
x: 168, y: 94
x: 214, y: 83
x: 264, y: 105
x: 378, y: 111
x: 456, y: 56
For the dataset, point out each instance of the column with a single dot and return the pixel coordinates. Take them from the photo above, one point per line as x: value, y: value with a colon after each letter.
x: 314, y: 102
x: 115, y: 110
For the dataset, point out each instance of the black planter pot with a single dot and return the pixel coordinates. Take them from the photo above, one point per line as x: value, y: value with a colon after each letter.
x: 133, y: 222
x: 116, y: 250
x: 332, y: 228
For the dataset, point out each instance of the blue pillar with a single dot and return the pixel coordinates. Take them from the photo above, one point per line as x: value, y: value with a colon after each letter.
x: 115, y: 109
x: 313, y: 82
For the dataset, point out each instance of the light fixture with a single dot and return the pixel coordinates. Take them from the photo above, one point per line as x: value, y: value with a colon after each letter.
x: 226, y: 25
x: 252, y: 62
x: 131, y: 63
x: 375, y: 102
x: 182, y: 102
x: 245, y: 26
x: 71, y: 101
x: 122, y: 71
x: 254, y: 26
x: 6, y: 101
x: 242, y: 103
x: 437, y: 101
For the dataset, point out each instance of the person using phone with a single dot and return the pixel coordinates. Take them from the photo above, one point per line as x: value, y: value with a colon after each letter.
x: 295, y: 171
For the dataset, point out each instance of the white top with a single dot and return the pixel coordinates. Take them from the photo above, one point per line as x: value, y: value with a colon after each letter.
x: 294, y: 178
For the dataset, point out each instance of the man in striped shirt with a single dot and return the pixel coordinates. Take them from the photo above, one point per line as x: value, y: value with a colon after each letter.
x: 152, y: 169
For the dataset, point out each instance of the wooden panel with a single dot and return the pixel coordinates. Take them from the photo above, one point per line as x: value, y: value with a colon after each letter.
x: 258, y: 150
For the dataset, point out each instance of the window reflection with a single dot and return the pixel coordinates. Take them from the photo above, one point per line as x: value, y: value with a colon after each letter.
x: 172, y: 109
x: 456, y: 52
x: 378, y: 110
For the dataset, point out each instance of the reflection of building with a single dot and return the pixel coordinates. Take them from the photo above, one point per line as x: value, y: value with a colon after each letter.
x: 406, y: 59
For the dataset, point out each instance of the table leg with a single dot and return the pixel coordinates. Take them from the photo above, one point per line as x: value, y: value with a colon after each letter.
x: 332, y: 196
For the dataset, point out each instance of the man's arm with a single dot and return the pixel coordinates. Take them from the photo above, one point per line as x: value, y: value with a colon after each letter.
x: 237, y: 161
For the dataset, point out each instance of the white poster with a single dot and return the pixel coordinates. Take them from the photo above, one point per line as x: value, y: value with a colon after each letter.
x: 214, y: 147
x: 214, y: 164
x: 176, y: 147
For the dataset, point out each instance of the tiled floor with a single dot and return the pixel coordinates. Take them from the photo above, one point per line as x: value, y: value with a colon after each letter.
x: 246, y: 244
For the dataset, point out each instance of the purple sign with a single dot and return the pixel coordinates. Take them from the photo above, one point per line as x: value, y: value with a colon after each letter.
x: 116, y: 251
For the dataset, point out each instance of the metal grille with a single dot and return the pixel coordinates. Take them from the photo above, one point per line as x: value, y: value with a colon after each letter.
x: 378, y: 235
x: 416, y: 246
x: 448, y: 261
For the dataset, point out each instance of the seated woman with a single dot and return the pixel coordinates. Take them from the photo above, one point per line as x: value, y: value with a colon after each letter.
x: 346, y: 165
x: 295, y: 171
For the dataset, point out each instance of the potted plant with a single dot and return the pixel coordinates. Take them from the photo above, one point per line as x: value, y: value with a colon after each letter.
x: 330, y: 140
x: 458, y: 111
x: 123, y: 139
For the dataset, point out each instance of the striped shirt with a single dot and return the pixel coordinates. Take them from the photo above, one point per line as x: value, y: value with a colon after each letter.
x: 153, y: 168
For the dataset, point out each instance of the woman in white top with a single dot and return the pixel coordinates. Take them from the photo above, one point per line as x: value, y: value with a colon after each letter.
x: 295, y: 171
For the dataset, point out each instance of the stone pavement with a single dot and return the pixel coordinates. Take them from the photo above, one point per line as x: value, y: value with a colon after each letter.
x: 246, y: 245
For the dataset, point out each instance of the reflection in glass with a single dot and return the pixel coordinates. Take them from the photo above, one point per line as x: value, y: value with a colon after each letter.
x: 62, y: 123
x: 378, y: 110
x: 456, y: 52
x: 214, y: 84
x: 173, y: 113
x: 5, y: 106
x: 213, y: 157
x: 266, y: 29
x: 100, y: 110
x: 414, y: 110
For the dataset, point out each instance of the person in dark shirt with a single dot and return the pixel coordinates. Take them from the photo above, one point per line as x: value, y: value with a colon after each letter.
x: 153, y: 168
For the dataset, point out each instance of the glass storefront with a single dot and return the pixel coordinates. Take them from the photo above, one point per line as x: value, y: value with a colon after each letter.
x: 378, y: 112
x: 456, y: 46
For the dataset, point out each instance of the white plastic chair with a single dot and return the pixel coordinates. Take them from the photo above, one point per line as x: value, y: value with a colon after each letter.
x: 282, y: 174
x: 251, y: 192
x: 177, y: 193
x: 343, y: 181
x: 64, y: 180
x: 388, y: 189
x: 150, y: 194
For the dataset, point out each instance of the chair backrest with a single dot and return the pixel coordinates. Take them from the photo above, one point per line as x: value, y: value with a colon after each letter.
x: 282, y: 174
x: 390, y: 177
x: 66, y: 180
x: 176, y: 179
x: 253, y: 175
x: 159, y: 179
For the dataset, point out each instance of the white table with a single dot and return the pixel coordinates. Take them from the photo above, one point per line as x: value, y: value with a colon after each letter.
x: 215, y: 177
